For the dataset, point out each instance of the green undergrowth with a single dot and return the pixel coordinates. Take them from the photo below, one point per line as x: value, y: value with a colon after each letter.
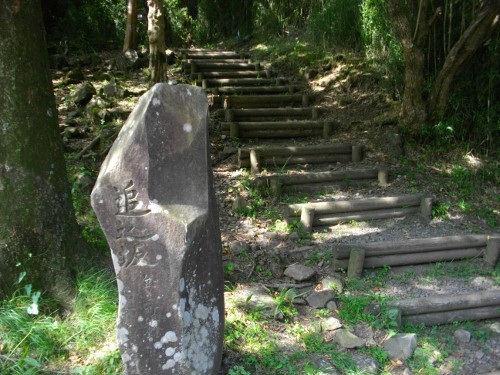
x: 41, y: 340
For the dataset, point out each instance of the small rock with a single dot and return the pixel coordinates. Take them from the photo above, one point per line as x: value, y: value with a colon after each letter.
x: 299, y: 272
x: 319, y: 299
x: 348, y: 340
x: 332, y: 305
x: 479, y: 355
x: 332, y: 283
x: 74, y: 76
x: 111, y: 91
x: 461, y: 335
x: 401, y: 346
x: 84, y: 94
x: 237, y: 247
x: 228, y: 151
x: 365, y: 363
x: 239, y: 204
x: 323, y: 366
x: 330, y: 324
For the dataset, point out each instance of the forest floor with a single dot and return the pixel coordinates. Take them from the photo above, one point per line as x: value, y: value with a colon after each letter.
x: 269, y: 327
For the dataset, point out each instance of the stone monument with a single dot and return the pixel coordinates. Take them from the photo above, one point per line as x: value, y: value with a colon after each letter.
x: 154, y: 199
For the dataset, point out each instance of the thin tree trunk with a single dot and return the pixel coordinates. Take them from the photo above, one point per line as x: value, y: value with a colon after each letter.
x: 156, y: 35
x: 130, y: 41
x: 38, y: 232
x: 470, y: 41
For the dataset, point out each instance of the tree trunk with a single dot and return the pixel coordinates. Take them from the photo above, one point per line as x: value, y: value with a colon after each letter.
x: 156, y: 35
x: 474, y: 37
x: 411, y: 34
x: 130, y: 41
x: 38, y: 230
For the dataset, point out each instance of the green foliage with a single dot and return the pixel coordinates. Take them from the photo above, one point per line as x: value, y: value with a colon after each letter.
x: 379, y: 42
x: 335, y: 24
x: 90, y: 25
x: 285, y: 309
x: 33, y: 339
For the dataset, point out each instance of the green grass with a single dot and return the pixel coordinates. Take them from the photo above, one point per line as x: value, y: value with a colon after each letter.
x: 33, y: 343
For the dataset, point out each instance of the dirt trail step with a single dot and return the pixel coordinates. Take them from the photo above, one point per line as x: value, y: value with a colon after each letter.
x: 230, y: 74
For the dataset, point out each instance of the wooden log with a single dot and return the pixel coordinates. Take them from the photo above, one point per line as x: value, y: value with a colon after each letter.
x: 357, y: 153
x: 322, y: 177
x: 245, y: 90
x: 254, y: 162
x: 281, y: 133
x: 234, y: 131
x: 211, y: 66
x: 383, y: 177
x: 340, y: 148
x: 261, y: 101
x: 327, y: 129
x: 271, y: 125
x: 305, y: 100
x: 229, y: 74
x: 413, y: 306
x: 492, y: 252
x: 366, y: 204
x: 426, y: 207
x: 272, y: 112
x: 200, y: 63
x: 418, y: 245
x: 420, y: 258
x: 279, y: 161
x: 217, y: 82
x: 333, y: 219
x: 356, y: 261
x: 275, y: 186
x: 478, y: 313
x: 213, y: 55
x: 306, y: 219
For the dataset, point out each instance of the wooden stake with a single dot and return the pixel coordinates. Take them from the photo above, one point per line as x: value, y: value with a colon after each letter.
x: 307, y: 218
x: 356, y: 263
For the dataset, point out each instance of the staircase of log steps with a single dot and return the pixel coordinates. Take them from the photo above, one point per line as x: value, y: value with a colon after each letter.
x: 259, y: 107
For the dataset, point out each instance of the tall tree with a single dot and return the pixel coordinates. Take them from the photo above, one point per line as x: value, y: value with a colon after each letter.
x: 130, y: 41
x: 412, y: 23
x: 156, y: 35
x: 38, y: 230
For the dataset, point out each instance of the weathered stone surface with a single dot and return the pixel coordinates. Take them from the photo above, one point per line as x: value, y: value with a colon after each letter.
x: 462, y: 335
x: 401, y: 346
x: 348, y: 340
x: 330, y: 324
x: 84, y: 94
x: 299, y: 272
x: 333, y: 283
x: 365, y: 363
x: 320, y: 298
x: 155, y: 201
x: 323, y: 366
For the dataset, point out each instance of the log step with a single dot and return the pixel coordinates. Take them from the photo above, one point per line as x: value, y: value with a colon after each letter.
x: 443, y: 309
x: 246, y: 90
x: 335, y: 212
x: 230, y: 74
x: 276, y: 129
x: 220, y: 82
x: 211, y: 66
x: 221, y: 55
x: 262, y: 114
x: 278, y: 156
x: 422, y: 250
x: 264, y: 101
x: 296, y: 180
